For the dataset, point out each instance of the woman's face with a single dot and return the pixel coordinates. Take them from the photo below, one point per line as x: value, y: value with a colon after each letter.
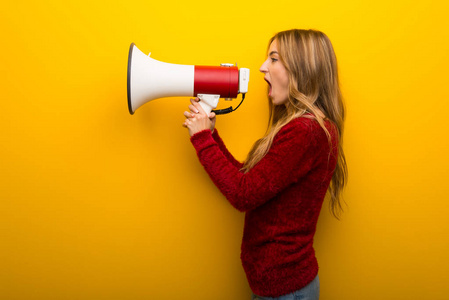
x: 276, y: 75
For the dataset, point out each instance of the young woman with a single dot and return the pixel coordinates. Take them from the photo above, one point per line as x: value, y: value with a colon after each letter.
x: 282, y: 183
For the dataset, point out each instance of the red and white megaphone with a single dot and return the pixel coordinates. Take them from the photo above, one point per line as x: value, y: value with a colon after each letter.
x: 149, y: 79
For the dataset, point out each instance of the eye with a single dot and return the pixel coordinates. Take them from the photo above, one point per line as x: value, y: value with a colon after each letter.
x: 274, y: 59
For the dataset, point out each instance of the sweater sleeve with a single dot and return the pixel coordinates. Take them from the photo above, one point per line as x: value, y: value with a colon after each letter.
x: 225, y: 150
x: 290, y: 157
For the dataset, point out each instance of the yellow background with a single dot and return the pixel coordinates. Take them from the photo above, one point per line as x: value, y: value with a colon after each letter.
x: 98, y: 204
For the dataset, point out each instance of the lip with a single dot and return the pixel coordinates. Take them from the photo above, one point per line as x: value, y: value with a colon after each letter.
x: 269, y: 85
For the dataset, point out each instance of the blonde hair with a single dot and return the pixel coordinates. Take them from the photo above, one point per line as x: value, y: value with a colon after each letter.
x: 311, y: 64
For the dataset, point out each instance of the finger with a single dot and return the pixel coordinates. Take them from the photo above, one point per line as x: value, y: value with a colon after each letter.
x: 189, y: 114
x: 193, y: 109
x: 196, y: 103
x: 212, y: 115
x: 196, y: 107
x: 200, y: 109
x: 195, y: 100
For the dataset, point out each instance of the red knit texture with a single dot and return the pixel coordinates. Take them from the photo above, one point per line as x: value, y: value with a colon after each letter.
x: 282, y: 196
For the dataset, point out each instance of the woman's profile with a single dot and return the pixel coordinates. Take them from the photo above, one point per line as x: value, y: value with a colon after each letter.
x: 283, y: 181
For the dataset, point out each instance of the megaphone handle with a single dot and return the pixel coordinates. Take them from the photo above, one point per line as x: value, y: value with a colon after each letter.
x: 208, y: 102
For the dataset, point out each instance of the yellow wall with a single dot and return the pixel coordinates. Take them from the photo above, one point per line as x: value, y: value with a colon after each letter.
x: 99, y: 204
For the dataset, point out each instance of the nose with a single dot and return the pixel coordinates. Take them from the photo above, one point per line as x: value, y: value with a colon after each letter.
x: 263, y: 67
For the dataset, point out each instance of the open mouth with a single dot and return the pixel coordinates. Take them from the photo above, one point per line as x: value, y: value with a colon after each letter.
x: 269, y: 85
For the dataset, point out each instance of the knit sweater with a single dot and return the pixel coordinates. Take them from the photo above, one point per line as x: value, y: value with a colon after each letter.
x: 282, y: 197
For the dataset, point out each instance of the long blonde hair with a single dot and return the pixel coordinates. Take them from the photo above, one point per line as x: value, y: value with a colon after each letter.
x: 311, y: 64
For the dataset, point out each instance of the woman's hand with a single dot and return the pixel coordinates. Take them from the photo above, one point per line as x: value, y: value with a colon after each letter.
x: 197, y: 120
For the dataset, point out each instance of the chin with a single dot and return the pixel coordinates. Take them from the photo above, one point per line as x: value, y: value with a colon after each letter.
x: 276, y: 102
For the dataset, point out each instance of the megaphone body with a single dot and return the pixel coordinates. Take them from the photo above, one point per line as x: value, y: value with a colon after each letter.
x: 149, y: 79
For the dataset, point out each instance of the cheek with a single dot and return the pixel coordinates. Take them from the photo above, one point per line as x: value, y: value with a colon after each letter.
x: 283, y: 76
x: 283, y: 86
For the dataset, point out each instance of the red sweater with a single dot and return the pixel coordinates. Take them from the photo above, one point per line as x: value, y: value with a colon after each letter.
x: 282, y: 196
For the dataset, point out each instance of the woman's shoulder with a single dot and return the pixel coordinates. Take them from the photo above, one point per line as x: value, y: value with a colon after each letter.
x: 305, y: 122
x: 307, y: 126
x: 299, y: 128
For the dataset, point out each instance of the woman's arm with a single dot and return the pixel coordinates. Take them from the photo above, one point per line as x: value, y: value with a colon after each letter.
x: 291, y: 156
x: 225, y: 150
x: 197, y: 120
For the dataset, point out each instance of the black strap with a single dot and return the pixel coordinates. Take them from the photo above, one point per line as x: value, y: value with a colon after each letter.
x: 229, y: 109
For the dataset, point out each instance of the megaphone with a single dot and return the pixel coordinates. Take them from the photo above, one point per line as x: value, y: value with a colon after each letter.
x: 149, y: 79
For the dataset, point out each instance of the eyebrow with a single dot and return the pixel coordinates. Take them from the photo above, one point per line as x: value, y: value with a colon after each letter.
x: 273, y: 52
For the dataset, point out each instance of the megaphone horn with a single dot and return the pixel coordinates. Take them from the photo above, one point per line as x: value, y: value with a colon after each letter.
x: 149, y: 79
